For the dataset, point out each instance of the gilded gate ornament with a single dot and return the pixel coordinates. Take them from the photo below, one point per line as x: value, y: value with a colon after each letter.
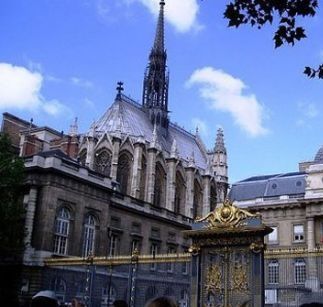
x: 240, y: 279
x: 228, y: 215
x: 213, y: 278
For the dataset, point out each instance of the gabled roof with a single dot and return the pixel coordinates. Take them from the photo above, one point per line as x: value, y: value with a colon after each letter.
x: 129, y: 118
x: 268, y: 186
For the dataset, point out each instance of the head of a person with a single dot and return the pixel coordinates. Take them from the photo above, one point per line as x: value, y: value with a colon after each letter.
x: 162, y: 301
x: 120, y: 303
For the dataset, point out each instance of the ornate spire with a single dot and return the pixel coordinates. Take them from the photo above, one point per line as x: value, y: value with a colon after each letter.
x: 159, y: 38
x: 155, y: 87
x: 219, y: 143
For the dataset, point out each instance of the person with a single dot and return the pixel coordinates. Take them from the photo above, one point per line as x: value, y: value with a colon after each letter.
x: 161, y: 301
x: 120, y: 303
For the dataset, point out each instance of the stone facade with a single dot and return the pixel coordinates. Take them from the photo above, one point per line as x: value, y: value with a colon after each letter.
x: 134, y: 180
x: 292, y: 204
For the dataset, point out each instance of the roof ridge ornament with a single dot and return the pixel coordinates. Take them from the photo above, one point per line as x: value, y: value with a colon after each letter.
x: 226, y: 216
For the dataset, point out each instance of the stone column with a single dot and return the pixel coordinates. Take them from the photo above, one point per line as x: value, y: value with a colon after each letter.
x: 151, y: 172
x: 116, y: 141
x: 310, y: 234
x: 136, y: 170
x: 189, y: 191
x: 171, y: 183
x: 312, y: 280
x: 206, y: 194
x: 30, y: 215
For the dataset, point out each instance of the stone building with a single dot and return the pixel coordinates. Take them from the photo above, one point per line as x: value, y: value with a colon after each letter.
x: 135, y: 180
x: 292, y: 204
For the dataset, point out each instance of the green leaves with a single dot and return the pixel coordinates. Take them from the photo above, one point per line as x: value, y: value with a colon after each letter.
x: 287, y: 12
x: 312, y: 73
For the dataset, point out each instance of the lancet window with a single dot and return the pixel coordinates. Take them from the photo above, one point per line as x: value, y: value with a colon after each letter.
x: 102, y: 162
x: 197, y: 199
x: 123, y: 173
x: 160, y: 186
x: 179, y: 194
x: 143, y: 178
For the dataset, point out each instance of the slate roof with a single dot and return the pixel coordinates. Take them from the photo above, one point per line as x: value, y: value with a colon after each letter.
x: 128, y: 117
x: 268, y: 186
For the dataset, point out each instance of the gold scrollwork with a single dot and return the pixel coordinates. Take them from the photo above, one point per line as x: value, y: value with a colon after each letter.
x: 256, y: 247
x: 213, y: 278
x: 227, y: 215
x: 194, y: 249
x: 240, y: 280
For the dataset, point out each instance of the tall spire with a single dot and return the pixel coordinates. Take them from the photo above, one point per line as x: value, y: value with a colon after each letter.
x: 159, y: 38
x: 155, y: 87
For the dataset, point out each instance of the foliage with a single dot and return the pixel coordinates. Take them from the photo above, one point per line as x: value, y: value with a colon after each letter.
x: 287, y: 12
x: 11, y: 221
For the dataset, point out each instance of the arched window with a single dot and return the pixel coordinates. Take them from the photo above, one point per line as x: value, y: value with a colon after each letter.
x: 143, y: 178
x: 160, y: 186
x: 89, y: 236
x: 300, y: 271
x: 58, y: 285
x: 197, y: 199
x: 82, y: 157
x: 62, y: 228
x: 273, y: 272
x: 102, y: 162
x: 179, y: 194
x: 123, y: 173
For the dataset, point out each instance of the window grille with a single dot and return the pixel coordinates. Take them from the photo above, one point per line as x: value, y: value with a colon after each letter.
x: 273, y: 272
x: 89, y: 236
x: 298, y: 233
x: 62, y: 226
x: 300, y: 271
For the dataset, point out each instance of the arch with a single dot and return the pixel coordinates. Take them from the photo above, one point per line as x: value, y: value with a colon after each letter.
x: 143, y: 173
x: 124, y: 171
x: 102, y: 161
x: 160, y: 185
x: 180, y: 191
x: 197, y: 199
x: 82, y: 156
x: 62, y: 229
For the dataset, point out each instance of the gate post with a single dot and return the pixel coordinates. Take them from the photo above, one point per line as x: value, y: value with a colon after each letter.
x: 228, y: 258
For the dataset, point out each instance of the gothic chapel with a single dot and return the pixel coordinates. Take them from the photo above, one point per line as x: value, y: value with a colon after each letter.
x: 150, y: 157
x: 134, y: 181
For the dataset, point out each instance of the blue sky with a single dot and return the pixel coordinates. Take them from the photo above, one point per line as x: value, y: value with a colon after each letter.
x: 61, y: 58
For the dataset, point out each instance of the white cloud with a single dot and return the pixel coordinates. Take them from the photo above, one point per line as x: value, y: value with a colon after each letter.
x: 181, y: 14
x: 81, y: 82
x: 309, y: 110
x: 225, y: 93
x: 200, y: 125
x: 20, y: 88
